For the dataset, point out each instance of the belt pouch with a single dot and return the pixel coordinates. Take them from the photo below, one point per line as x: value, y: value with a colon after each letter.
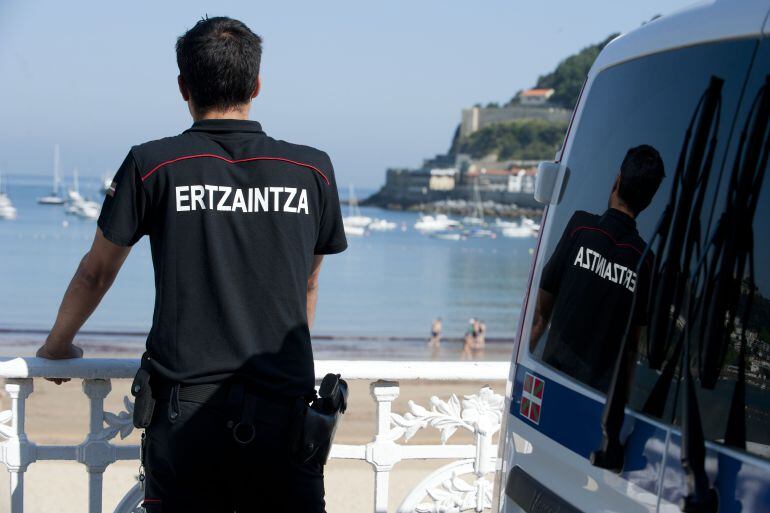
x: 144, y: 403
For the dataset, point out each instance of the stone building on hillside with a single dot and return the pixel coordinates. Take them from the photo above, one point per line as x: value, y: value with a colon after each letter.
x: 532, y: 104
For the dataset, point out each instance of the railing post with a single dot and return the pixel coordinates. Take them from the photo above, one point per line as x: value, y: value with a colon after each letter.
x: 383, y: 453
x: 95, y: 452
x: 484, y: 462
x: 18, y: 452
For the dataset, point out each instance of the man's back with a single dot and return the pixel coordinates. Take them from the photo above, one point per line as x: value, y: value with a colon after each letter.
x: 592, y: 274
x: 235, y: 219
x: 238, y: 223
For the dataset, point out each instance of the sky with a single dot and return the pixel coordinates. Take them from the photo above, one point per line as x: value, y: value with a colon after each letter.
x: 375, y: 85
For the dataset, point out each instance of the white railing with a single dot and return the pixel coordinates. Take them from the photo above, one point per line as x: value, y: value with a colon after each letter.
x: 442, y: 490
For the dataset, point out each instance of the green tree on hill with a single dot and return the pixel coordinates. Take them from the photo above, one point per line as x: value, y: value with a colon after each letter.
x: 531, y: 139
x: 569, y: 75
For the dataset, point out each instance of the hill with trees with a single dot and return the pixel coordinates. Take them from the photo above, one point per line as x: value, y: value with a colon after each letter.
x: 530, y: 139
x: 534, y: 139
x: 569, y: 75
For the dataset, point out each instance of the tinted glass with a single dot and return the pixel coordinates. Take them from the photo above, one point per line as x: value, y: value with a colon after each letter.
x: 743, y: 420
x: 650, y: 100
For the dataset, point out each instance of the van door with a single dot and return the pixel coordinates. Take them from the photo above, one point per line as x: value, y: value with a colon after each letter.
x: 554, y: 422
x: 733, y: 377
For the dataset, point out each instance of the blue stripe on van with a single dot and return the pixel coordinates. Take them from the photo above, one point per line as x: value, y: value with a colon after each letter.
x: 741, y: 485
x: 573, y: 420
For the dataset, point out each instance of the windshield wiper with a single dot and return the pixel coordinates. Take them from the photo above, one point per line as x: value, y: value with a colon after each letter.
x: 724, y: 265
x: 677, y: 230
x: 733, y: 251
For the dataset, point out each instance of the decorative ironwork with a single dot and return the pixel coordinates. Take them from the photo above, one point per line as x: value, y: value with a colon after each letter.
x: 479, y: 412
x: 121, y: 423
x: 456, y: 495
x: 6, y: 431
x: 446, y: 489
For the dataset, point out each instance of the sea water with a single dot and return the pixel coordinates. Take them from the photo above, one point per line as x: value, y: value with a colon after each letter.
x: 381, y: 294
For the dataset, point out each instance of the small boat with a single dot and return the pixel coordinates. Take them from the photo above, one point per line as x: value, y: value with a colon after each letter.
x: 500, y: 223
x: 477, y: 217
x: 447, y: 235
x: 440, y: 222
x: 354, y: 217
x: 381, y: 225
x: 84, y: 209
x: 7, y: 210
x: 474, y: 221
x: 78, y: 205
x: 354, y: 231
x: 481, y: 233
x: 525, y: 221
x: 54, y: 198
x: 518, y: 231
x: 106, y: 184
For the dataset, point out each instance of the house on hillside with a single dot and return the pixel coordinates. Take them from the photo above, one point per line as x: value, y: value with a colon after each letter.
x: 535, y: 97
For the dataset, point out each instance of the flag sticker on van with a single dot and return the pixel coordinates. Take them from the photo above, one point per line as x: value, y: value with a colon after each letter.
x: 532, y: 398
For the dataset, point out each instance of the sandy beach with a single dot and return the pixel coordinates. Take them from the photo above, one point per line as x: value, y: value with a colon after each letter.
x: 58, y: 415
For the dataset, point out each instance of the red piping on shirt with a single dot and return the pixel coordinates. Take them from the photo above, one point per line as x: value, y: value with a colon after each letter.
x: 619, y: 244
x: 237, y: 161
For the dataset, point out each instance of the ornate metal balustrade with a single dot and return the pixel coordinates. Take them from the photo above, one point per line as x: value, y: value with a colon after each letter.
x: 464, y: 484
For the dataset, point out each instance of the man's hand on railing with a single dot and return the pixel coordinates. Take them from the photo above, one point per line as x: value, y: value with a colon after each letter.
x: 93, y: 277
x: 54, y: 351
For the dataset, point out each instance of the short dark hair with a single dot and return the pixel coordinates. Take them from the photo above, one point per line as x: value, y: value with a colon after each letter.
x: 641, y: 173
x: 219, y: 61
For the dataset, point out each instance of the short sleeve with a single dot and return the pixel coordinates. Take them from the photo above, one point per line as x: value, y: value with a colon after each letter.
x: 331, y: 231
x: 551, y: 277
x: 124, y: 213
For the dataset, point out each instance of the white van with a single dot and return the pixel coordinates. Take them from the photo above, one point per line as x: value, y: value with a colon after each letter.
x: 663, y: 436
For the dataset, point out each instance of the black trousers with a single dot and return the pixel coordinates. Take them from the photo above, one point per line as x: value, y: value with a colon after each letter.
x: 194, y: 464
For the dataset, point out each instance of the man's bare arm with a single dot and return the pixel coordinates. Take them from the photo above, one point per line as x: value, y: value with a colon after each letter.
x: 94, y: 276
x: 312, y: 289
x: 543, y: 310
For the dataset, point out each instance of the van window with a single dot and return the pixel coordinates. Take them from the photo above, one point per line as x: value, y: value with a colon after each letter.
x: 717, y: 404
x: 742, y: 420
x: 589, y: 276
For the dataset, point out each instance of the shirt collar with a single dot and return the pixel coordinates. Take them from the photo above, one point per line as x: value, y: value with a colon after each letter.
x: 226, y: 125
x: 621, y: 217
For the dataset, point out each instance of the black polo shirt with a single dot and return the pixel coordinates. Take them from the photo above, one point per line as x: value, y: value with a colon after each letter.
x: 234, y: 219
x: 593, y: 276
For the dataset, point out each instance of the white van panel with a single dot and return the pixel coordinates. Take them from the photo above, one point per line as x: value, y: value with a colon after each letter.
x: 549, y: 462
x: 700, y: 23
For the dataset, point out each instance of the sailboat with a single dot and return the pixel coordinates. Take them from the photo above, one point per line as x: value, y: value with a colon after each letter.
x: 106, y: 183
x: 53, y: 198
x: 78, y: 205
x: 477, y: 217
x: 437, y: 223
x: 7, y: 210
x: 355, y: 223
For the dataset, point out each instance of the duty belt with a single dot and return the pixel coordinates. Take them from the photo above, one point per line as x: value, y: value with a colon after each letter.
x: 233, y: 397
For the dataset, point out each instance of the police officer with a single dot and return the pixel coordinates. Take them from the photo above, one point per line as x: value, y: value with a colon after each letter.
x: 238, y: 223
x: 587, y: 286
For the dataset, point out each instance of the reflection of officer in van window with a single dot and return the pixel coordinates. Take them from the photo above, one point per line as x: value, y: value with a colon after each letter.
x: 588, y: 284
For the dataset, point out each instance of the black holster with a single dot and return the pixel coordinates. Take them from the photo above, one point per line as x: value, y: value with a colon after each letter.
x: 321, y: 419
x: 144, y: 402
